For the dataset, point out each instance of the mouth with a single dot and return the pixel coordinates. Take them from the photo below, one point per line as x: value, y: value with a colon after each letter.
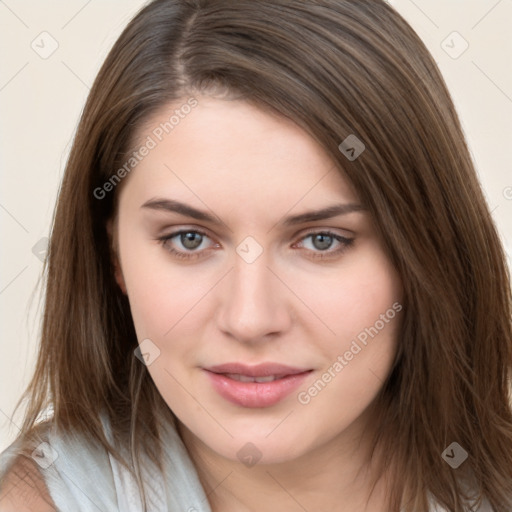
x: 258, y: 386
x: 276, y: 370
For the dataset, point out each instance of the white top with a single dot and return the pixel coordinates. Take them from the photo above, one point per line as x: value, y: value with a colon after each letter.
x: 84, y: 478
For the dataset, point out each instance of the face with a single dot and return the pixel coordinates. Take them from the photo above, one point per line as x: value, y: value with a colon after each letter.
x: 239, y: 243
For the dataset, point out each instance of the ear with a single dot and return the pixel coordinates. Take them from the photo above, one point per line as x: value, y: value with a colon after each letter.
x: 114, y: 257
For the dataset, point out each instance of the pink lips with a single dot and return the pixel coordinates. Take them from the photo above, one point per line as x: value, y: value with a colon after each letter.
x: 255, y: 394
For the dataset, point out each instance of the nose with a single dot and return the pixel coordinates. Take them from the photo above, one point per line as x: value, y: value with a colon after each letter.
x: 254, y: 305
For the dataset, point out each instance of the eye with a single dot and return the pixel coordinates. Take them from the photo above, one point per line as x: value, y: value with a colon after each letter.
x: 192, y: 244
x: 325, y: 244
x: 186, y: 244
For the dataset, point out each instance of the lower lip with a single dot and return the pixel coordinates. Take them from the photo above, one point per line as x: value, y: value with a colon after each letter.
x: 255, y: 394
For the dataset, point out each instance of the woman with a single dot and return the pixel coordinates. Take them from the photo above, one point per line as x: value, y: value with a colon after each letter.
x: 273, y: 282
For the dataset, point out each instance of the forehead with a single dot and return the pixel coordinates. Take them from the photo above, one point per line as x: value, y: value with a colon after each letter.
x: 230, y: 149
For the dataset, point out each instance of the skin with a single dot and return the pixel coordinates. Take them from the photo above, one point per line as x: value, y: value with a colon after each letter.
x: 251, y: 169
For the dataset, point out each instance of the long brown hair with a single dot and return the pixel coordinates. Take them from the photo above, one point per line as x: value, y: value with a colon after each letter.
x: 336, y: 68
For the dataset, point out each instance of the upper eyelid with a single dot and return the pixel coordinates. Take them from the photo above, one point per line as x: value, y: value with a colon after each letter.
x: 303, y: 231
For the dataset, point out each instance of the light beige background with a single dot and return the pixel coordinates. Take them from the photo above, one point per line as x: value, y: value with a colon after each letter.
x: 41, y: 99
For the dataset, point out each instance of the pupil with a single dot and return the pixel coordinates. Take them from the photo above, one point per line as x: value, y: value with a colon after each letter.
x: 322, y: 242
x: 191, y: 240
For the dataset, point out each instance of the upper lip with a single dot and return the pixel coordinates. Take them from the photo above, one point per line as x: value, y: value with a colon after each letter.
x: 259, y: 370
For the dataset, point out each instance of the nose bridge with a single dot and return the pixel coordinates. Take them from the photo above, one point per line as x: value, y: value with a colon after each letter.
x: 253, y: 305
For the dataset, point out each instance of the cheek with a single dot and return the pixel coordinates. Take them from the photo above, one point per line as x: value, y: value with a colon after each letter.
x: 161, y: 294
x: 165, y: 304
x: 354, y: 296
x: 360, y: 311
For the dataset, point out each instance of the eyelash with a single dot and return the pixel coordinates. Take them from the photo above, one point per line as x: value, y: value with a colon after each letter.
x: 321, y: 255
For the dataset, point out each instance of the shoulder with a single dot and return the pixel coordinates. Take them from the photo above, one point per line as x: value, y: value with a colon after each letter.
x: 23, y: 489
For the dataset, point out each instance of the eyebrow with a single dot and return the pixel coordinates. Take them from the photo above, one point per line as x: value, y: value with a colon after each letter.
x: 171, y: 205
